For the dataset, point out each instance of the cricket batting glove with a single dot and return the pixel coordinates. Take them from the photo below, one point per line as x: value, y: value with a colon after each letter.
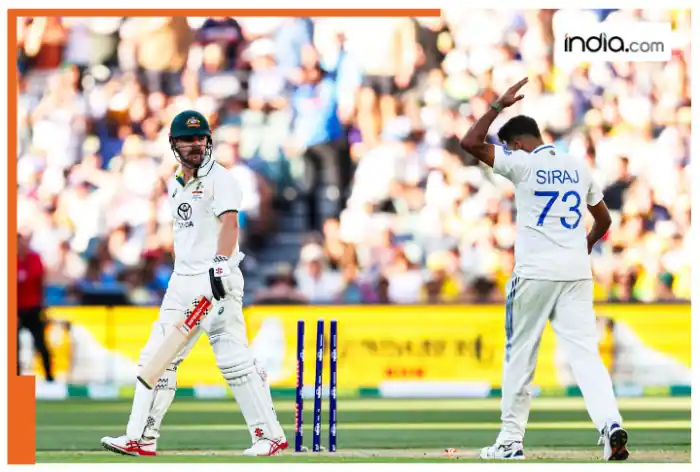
x: 220, y: 275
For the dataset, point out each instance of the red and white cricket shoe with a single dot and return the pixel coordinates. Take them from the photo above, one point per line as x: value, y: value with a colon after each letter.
x: 267, y: 447
x: 129, y: 447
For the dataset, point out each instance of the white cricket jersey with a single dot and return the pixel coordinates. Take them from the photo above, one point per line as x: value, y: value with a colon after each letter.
x: 552, y: 191
x: 196, y: 208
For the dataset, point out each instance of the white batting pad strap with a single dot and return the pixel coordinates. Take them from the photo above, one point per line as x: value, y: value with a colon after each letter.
x: 248, y: 382
x: 234, y: 382
x: 233, y: 359
x: 163, y: 397
x: 236, y: 371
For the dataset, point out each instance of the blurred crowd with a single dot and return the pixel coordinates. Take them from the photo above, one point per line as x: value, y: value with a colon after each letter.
x: 368, y: 112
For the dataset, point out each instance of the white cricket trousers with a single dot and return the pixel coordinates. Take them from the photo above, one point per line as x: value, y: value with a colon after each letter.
x: 224, y: 320
x: 569, y: 307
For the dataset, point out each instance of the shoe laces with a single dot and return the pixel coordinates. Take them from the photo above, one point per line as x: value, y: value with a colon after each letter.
x: 508, y: 445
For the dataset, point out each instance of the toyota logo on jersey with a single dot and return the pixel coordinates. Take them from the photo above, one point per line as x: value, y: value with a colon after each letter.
x: 184, y: 211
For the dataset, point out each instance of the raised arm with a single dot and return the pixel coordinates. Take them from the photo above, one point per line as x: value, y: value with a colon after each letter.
x: 474, y: 142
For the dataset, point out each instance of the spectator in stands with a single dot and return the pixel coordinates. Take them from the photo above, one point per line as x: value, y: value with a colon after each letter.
x: 317, y: 282
x: 280, y: 288
x: 266, y: 122
x: 333, y: 246
x: 387, y: 51
x: 42, y: 40
x: 442, y: 286
x: 213, y: 78
x: 358, y: 286
x: 267, y: 84
x: 434, y: 41
x: 137, y: 289
x: 384, y: 249
x: 161, y: 47
x: 614, y: 193
x: 382, y: 288
x: 405, y: 277
x: 376, y: 109
x: 292, y: 39
x: 317, y: 137
x: 226, y: 33
x: 65, y: 268
x: 92, y: 43
x: 30, y: 302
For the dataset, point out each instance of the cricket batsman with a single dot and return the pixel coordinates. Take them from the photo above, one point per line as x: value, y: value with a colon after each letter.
x: 552, y: 278
x: 204, y: 201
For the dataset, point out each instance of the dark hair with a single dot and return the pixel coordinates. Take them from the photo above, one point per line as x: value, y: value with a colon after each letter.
x: 520, y: 125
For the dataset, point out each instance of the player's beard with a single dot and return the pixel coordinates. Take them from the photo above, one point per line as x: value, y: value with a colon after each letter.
x: 194, y: 156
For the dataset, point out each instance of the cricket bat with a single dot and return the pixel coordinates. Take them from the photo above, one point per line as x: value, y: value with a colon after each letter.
x: 175, y: 339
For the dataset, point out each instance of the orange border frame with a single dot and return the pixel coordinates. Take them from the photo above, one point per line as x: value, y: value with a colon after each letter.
x: 21, y: 402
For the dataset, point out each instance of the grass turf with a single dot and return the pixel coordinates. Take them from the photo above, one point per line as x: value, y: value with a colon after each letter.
x: 70, y: 431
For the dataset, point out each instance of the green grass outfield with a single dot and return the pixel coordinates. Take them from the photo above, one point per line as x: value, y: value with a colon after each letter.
x: 368, y: 430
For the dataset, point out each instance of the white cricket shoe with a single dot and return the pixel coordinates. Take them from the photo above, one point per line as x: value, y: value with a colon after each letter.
x: 511, y: 451
x: 614, y: 441
x: 267, y: 447
x: 129, y: 447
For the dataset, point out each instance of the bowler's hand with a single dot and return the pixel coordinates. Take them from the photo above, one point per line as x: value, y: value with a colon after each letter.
x: 511, y: 96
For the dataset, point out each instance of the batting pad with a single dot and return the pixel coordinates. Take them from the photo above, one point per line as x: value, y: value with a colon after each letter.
x: 157, y: 336
x: 140, y: 407
x: 248, y: 382
x: 149, y: 406
x: 162, y: 398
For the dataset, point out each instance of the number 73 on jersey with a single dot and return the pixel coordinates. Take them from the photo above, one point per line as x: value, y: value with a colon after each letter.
x: 571, y: 197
